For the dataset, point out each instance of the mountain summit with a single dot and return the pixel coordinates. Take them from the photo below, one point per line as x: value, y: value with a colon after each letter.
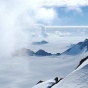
x: 77, y: 48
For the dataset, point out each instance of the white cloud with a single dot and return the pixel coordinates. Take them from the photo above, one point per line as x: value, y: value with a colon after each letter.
x: 73, y: 8
x: 62, y: 34
x: 18, y: 15
x: 66, y: 2
x: 13, y: 17
x: 45, y: 15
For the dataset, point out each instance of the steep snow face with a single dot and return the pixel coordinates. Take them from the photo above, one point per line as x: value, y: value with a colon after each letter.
x: 74, y: 50
x: 77, y: 79
x: 78, y: 48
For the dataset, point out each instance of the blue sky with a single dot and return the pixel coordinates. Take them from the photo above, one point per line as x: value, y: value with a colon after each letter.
x: 70, y: 15
x: 73, y: 17
x: 17, y: 17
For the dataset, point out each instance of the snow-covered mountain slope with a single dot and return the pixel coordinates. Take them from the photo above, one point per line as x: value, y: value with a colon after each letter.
x: 78, y: 48
x: 77, y: 79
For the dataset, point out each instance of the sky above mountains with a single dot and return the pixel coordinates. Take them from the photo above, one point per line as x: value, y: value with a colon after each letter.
x: 17, y: 17
x: 70, y: 15
x: 47, y: 12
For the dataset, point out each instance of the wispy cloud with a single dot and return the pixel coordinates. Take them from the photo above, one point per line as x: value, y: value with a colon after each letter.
x: 16, y: 16
x: 66, y: 2
x: 45, y: 16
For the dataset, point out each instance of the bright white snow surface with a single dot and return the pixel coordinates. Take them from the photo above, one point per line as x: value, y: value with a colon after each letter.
x: 77, y: 79
x: 49, y: 68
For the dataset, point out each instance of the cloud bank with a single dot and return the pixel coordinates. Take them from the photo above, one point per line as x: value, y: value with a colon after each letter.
x: 16, y: 17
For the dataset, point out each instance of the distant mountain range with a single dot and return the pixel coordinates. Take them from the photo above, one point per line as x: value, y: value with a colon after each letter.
x: 40, y: 43
x: 75, y: 49
x: 29, y: 52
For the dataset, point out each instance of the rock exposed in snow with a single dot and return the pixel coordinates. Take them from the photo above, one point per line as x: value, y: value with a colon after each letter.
x: 77, y: 79
x: 84, y: 59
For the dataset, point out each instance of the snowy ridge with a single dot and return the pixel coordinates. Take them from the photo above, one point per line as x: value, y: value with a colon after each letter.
x: 78, y: 48
x: 77, y: 79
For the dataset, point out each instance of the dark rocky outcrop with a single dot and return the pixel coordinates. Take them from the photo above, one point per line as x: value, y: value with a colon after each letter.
x: 56, y: 81
x: 84, y: 59
x: 40, y: 82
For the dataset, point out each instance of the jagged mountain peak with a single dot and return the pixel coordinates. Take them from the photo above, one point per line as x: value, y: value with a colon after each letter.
x: 77, y: 48
x: 84, y: 44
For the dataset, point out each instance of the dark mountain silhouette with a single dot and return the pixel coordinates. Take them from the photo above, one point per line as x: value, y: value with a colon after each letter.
x: 83, y: 44
x: 29, y: 52
x: 40, y: 43
x: 57, y: 54
x: 42, y: 53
